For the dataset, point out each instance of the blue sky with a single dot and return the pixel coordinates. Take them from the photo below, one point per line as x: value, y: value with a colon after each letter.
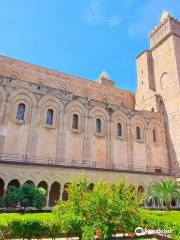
x: 82, y: 37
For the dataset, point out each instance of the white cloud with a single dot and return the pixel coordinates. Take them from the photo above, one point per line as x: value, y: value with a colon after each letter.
x: 114, y: 21
x: 94, y: 13
x: 98, y: 12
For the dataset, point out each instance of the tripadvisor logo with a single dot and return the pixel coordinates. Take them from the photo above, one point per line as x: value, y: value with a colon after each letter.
x: 142, y: 232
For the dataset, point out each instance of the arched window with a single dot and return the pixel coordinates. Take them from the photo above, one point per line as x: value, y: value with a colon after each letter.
x: 98, y: 125
x: 152, y: 109
x: 20, y: 111
x: 154, y: 135
x: 138, y: 133
x: 119, y: 130
x: 49, y: 117
x: 75, y: 121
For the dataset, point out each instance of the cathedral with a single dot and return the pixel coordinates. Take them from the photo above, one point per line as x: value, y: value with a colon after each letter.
x: 55, y: 126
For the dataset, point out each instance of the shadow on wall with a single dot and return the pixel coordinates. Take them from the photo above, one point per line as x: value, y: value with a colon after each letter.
x: 173, y: 162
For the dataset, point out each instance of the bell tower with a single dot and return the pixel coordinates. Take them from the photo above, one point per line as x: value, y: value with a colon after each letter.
x: 158, y: 74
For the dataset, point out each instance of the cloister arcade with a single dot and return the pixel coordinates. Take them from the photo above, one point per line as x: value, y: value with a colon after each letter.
x: 55, y: 191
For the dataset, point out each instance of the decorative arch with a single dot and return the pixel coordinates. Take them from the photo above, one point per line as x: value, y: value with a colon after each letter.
x: 46, y: 104
x: 139, y: 123
x: 43, y: 184
x: 101, y: 114
x: 164, y: 80
x: 14, y: 75
x: 22, y: 96
x: 75, y: 108
x: 155, y: 125
x: 40, y: 84
x: 29, y: 182
x: 14, y: 182
x: 54, y: 194
x: 119, y: 118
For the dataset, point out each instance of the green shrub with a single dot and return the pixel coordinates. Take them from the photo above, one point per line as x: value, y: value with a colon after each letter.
x: 29, y: 226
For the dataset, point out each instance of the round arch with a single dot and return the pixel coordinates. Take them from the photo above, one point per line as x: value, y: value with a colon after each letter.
x: 43, y: 184
x: 14, y: 182
x: 29, y: 182
x: 54, y: 194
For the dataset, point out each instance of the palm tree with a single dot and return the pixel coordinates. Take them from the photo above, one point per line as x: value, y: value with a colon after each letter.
x: 164, y: 191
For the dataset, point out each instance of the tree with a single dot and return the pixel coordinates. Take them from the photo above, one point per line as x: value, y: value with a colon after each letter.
x: 164, y: 191
x: 11, y: 198
x: 30, y: 196
x: 27, y: 196
x: 101, y: 212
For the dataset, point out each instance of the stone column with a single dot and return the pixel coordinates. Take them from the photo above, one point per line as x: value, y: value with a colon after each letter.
x: 108, y: 142
x: 129, y: 146
x: 60, y: 149
x: 148, y: 149
x: 47, y: 203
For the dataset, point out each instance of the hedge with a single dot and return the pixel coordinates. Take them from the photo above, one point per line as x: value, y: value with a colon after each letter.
x: 45, y: 225
x: 29, y: 226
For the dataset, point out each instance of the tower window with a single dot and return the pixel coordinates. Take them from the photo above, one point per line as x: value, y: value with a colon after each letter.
x: 75, y: 121
x: 20, y: 111
x: 154, y: 135
x: 49, y: 117
x: 138, y: 133
x: 98, y: 125
x: 119, y: 130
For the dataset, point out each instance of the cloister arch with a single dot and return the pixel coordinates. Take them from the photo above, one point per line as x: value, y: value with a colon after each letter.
x: 14, y: 182
x: 30, y: 182
x: 54, y: 193
x: 140, y: 189
x: 43, y: 184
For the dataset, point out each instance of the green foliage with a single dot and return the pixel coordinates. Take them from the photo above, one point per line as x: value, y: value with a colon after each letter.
x: 30, y: 196
x: 163, y: 220
x: 27, y: 196
x: 29, y: 226
x: 11, y: 198
x: 164, y: 191
x: 108, y: 209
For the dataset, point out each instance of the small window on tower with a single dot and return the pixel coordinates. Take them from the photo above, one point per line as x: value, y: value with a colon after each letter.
x: 75, y: 121
x: 119, y: 130
x: 98, y: 125
x: 138, y: 133
x: 49, y: 117
x: 21, y: 111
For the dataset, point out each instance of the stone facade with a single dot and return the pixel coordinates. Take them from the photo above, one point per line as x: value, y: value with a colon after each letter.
x: 54, y: 126
x: 158, y: 89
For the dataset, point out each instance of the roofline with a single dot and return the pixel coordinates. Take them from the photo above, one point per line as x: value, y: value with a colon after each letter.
x: 58, y: 72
